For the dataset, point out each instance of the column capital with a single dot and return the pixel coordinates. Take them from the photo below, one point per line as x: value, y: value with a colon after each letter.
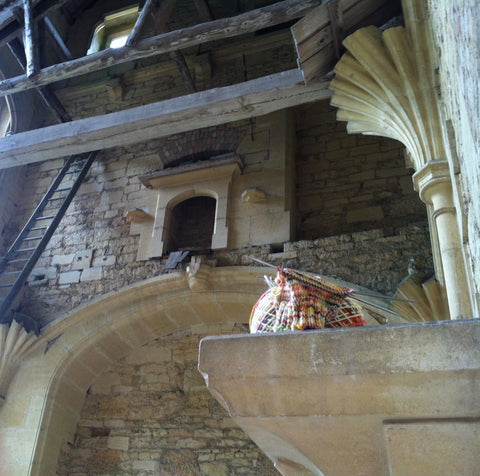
x: 433, y: 178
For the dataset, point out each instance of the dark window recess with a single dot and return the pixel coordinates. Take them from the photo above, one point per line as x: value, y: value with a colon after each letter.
x: 191, y: 224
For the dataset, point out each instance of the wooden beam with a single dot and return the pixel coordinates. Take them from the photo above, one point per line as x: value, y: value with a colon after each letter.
x: 147, y: 11
x: 206, y: 108
x: 182, y: 66
x: 48, y: 97
x: 30, y: 39
x: 161, y: 16
x: 11, y: 26
x: 218, y: 29
x: 335, y: 16
x: 58, y: 39
x: 151, y: 21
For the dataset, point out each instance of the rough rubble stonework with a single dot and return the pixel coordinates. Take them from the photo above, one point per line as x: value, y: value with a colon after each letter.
x: 151, y: 414
x: 354, y: 198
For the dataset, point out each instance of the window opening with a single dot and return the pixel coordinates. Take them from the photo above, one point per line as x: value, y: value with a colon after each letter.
x: 192, y: 224
x: 113, y: 31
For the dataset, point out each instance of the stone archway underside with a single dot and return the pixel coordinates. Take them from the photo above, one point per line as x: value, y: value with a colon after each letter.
x: 48, y: 391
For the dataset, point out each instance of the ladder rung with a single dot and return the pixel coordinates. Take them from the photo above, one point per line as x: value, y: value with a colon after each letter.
x: 51, y: 210
x: 10, y: 273
x: 52, y: 207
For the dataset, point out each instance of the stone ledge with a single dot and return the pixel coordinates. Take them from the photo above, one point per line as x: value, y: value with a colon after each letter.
x: 340, y: 390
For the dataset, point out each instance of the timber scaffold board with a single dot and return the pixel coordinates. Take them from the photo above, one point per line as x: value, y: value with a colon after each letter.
x: 318, y: 35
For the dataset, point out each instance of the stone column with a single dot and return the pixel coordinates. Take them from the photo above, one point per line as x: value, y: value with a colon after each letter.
x: 434, y: 186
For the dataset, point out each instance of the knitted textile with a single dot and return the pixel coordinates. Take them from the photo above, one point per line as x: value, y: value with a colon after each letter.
x: 302, y: 301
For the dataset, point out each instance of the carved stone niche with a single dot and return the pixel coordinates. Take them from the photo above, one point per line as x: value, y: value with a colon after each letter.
x: 208, y: 178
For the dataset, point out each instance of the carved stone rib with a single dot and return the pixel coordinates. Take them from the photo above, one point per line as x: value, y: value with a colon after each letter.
x: 384, y: 86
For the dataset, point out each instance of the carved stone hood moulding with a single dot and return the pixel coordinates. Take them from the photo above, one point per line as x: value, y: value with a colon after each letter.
x: 210, y: 178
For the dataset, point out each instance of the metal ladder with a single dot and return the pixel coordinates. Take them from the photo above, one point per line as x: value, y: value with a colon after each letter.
x: 22, y: 256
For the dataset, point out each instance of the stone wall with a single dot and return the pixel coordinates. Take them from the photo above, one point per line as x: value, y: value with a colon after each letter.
x: 358, y: 217
x: 158, y: 78
x: 368, y: 258
x: 151, y: 414
x: 456, y: 30
x: 349, y: 183
x: 11, y: 219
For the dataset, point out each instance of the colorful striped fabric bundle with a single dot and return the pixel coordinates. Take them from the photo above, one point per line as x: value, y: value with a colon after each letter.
x: 301, y: 301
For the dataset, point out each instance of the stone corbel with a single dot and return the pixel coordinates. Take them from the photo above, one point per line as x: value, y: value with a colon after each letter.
x: 136, y: 215
x: 199, y: 273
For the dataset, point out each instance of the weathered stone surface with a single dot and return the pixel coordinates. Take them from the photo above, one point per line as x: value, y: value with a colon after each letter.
x: 413, y: 389
x: 340, y: 178
x: 70, y: 277
x: 330, y: 189
x: 151, y: 412
x: 91, y: 274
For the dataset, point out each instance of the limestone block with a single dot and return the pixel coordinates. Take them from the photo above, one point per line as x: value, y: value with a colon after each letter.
x: 82, y: 259
x: 90, y: 187
x: 146, y: 465
x: 239, y: 312
x: 41, y: 275
x: 105, y: 384
x: 82, y: 375
x: 402, y: 397
x: 113, y: 346
x: 210, y: 311
x: 112, y: 196
x: 136, y: 333
x: 110, y: 214
x: 274, y: 227
x: 144, y: 355
x: 286, y: 255
x: 442, y: 448
x: 91, y: 274
x: 118, y: 443
x: 63, y: 259
x: 112, y: 175
x: 116, y: 184
x: 261, y: 143
x: 365, y: 214
x: 159, y: 323
x: 239, y: 232
x: 69, y: 277
x: 184, y: 316
x: 106, y: 260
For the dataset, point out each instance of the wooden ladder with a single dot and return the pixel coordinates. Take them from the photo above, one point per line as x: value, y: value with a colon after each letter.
x: 20, y: 259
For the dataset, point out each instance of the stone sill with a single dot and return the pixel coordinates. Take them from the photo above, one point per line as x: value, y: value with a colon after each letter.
x: 398, y: 399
